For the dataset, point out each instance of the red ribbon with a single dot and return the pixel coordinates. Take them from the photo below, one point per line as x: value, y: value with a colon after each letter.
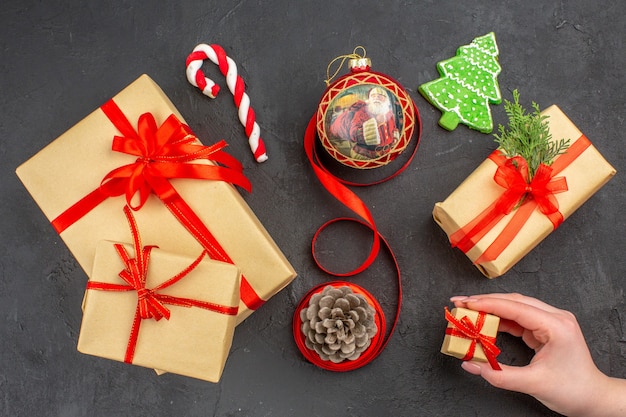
x: 344, y: 195
x: 150, y: 303
x: 163, y: 152
x: 513, y: 176
x: 466, y: 329
x: 520, y: 194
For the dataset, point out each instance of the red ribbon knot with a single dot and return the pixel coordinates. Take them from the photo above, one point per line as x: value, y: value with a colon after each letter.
x: 150, y: 307
x: 165, y: 152
x: 466, y: 329
x: 143, y: 293
x: 513, y: 176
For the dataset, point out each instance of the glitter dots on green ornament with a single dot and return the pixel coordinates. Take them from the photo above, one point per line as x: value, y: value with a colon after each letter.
x: 467, y: 86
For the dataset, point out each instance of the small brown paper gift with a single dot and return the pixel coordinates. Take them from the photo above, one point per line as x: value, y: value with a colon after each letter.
x: 196, y: 338
x: 584, y: 170
x: 75, y: 164
x: 471, y: 335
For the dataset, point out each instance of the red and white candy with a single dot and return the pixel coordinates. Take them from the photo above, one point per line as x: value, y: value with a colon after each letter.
x: 236, y: 85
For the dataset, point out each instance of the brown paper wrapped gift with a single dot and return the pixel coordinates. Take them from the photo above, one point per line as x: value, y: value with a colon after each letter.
x: 75, y: 164
x: 194, y: 341
x: 585, y: 175
x: 461, y: 341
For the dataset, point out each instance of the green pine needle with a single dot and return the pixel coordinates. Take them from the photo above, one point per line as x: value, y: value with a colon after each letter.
x: 528, y: 136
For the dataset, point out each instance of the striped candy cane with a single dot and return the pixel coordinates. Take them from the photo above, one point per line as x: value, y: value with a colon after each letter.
x: 236, y: 86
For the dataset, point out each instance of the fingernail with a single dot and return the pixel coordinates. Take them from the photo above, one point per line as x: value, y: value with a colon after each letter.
x: 471, y: 367
x: 463, y: 299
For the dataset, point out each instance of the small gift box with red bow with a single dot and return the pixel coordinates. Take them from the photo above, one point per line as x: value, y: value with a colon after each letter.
x: 498, y: 214
x: 136, y: 150
x: 156, y: 309
x: 471, y: 336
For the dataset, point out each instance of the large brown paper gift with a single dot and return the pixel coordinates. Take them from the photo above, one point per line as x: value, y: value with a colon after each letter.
x: 471, y: 335
x: 194, y: 341
x: 75, y: 164
x: 585, y: 175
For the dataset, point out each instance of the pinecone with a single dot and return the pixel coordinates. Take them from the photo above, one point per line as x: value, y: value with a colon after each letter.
x: 338, y: 324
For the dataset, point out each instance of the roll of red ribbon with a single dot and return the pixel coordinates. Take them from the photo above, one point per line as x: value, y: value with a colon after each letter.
x: 376, y: 342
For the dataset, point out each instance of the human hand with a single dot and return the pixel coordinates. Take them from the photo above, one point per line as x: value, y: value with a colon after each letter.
x: 562, y: 374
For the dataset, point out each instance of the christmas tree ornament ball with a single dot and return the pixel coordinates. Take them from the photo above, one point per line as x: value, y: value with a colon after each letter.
x: 365, y: 119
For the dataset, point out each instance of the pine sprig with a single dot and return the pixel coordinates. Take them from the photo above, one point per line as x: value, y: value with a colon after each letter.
x: 528, y: 136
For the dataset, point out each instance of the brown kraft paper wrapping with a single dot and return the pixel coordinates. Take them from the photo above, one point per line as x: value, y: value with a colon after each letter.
x: 585, y: 175
x: 459, y: 346
x: 194, y: 341
x: 74, y: 164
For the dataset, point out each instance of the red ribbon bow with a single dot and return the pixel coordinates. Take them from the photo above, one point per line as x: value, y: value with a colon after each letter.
x: 466, y: 329
x: 163, y: 152
x: 150, y: 303
x: 512, y: 174
x: 514, y: 177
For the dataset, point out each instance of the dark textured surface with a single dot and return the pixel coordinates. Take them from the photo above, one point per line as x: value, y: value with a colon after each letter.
x: 59, y: 60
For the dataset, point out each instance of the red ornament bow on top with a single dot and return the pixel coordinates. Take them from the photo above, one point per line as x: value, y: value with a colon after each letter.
x: 150, y: 303
x: 163, y: 152
x: 466, y: 329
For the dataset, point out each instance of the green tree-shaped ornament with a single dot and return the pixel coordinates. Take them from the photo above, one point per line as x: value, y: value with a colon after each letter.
x: 467, y: 85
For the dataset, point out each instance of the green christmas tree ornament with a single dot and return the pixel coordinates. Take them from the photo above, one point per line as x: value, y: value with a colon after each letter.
x: 467, y: 85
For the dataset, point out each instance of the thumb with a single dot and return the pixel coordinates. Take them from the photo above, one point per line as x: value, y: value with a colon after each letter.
x: 512, y: 378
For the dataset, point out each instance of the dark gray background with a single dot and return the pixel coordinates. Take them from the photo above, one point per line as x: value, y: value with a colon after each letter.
x: 59, y: 60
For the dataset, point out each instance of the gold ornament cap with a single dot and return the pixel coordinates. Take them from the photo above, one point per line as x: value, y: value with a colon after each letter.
x: 359, y: 63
